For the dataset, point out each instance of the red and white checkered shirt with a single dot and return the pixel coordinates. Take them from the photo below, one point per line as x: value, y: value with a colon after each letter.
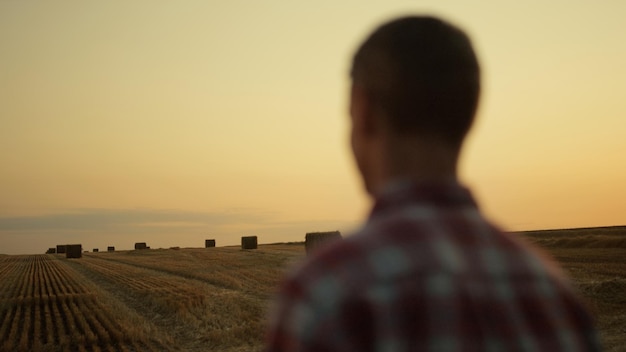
x: 429, y: 273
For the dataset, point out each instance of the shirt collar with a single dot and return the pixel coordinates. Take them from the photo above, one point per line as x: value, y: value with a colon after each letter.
x: 440, y: 194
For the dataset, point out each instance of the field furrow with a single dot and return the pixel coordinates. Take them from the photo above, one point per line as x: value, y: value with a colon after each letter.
x: 48, y: 328
x: 8, y: 286
x: 61, y: 326
x: 26, y: 336
x: 14, y: 332
x: 34, y: 335
x: 5, y: 266
x: 226, y: 267
x: 9, y: 315
x: 193, y: 304
x: 18, y: 282
x: 8, y: 265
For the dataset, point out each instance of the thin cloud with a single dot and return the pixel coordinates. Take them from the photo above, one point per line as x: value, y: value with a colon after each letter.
x: 98, y: 228
x: 109, y: 219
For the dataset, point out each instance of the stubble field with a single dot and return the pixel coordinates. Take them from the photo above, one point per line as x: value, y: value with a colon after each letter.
x: 147, y: 300
x: 595, y: 259
x: 217, y: 299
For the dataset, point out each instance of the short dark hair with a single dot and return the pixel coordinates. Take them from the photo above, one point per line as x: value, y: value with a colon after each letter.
x: 423, y: 73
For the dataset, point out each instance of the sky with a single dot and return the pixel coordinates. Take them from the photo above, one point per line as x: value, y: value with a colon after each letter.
x: 172, y: 122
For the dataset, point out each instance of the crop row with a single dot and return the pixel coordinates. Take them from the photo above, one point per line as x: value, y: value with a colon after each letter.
x: 227, y: 268
x: 47, y: 306
x: 203, y: 313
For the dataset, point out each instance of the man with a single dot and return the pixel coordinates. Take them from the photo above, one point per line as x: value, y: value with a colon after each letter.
x: 427, y: 272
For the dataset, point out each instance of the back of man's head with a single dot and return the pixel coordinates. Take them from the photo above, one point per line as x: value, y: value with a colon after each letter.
x: 423, y: 76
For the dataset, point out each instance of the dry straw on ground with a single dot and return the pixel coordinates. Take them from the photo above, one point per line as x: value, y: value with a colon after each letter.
x: 218, y: 299
x: 594, y: 259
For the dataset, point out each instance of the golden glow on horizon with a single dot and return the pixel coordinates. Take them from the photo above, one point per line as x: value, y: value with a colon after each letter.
x: 240, y: 108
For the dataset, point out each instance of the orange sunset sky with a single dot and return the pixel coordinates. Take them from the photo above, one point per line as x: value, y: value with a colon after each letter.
x: 169, y: 122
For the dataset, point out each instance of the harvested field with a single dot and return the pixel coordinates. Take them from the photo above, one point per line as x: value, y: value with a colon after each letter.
x: 158, y: 300
x: 217, y: 300
x: 46, y: 305
x: 595, y: 259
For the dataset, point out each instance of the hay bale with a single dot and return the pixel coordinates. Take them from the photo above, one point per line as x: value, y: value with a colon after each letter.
x: 209, y: 243
x: 96, y: 250
x: 51, y: 250
x: 141, y: 245
x: 110, y: 249
x: 61, y: 248
x: 74, y: 251
x: 315, y: 240
x: 249, y: 242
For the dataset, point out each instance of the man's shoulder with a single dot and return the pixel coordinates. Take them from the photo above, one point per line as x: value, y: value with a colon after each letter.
x: 332, y: 258
x: 383, y: 247
x: 420, y: 240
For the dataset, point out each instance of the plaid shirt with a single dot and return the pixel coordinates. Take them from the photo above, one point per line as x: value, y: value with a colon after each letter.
x: 428, y: 273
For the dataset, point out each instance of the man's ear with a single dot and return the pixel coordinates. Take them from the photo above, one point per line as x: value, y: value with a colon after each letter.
x: 362, y: 111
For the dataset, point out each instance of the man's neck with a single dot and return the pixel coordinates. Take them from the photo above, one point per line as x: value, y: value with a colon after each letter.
x: 418, y: 162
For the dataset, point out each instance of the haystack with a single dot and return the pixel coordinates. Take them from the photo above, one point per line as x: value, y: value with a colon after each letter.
x: 73, y: 251
x: 249, y: 242
x: 315, y: 240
